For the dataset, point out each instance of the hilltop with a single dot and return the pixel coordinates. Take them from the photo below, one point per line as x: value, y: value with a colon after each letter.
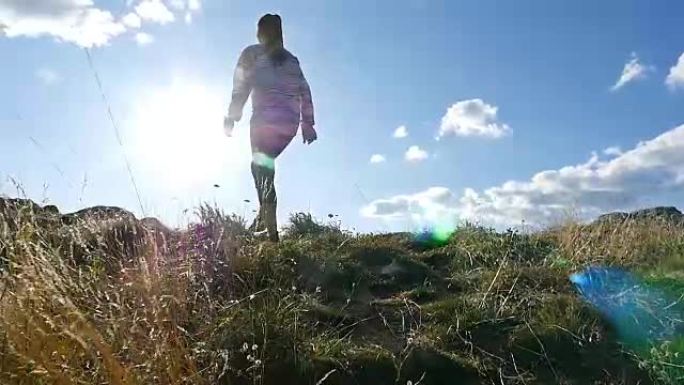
x: 99, y: 296
x: 662, y: 213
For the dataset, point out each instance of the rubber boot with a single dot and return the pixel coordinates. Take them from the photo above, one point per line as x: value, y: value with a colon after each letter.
x: 258, y: 225
x: 271, y: 221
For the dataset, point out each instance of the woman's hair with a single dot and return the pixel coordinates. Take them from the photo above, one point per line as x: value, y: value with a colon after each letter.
x: 270, y: 31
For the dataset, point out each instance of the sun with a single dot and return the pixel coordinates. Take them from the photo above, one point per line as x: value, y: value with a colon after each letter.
x: 178, y: 136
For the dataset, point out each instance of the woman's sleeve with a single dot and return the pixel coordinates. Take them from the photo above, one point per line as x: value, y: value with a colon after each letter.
x: 242, y: 85
x: 307, y: 108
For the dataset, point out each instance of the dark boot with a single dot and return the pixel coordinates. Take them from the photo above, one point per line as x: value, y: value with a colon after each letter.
x: 266, y: 222
x: 258, y: 223
x: 271, y: 221
x: 259, y: 183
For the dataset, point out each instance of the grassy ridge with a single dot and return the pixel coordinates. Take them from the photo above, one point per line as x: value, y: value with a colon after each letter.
x: 104, y: 298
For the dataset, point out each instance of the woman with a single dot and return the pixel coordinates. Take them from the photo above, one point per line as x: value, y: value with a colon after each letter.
x: 281, y: 101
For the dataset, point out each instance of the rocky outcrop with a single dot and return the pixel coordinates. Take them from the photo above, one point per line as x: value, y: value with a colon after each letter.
x: 666, y: 213
x: 13, y: 211
x: 109, y: 234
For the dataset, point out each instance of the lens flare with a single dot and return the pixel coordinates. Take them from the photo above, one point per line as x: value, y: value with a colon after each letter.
x: 263, y: 160
x: 642, y: 313
x: 434, y: 236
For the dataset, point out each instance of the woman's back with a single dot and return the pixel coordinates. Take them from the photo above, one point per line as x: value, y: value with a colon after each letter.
x: 276, y: 87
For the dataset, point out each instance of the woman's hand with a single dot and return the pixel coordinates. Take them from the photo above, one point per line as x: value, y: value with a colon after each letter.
x: 228, y: 125
x: 309, y: 134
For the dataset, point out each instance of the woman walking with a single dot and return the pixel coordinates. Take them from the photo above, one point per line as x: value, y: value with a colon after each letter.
x: 281, y: 102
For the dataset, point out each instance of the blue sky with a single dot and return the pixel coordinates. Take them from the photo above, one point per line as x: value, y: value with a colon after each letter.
x: 508, y: 107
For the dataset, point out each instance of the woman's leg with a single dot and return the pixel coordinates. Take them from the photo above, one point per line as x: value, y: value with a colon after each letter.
x: 267, y: 143
x: 264, y: 181
x: 258, y: 224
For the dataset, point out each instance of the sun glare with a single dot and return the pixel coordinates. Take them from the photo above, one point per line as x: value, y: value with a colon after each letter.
x: 178, y: 136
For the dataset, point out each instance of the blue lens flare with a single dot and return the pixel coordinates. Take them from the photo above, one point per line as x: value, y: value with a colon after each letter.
x: 641, y: 312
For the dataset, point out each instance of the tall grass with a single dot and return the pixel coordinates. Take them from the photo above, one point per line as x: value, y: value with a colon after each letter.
x: 103, y: 298
x: 639, y: 243
x: 63, y: 323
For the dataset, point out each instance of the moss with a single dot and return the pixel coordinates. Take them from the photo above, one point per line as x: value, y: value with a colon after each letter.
x: 461, y: 310
x: 554, y: 355
x: 329, y: 316
x: 421, y: 294
x: 358, y: 364
x: 430, y: 366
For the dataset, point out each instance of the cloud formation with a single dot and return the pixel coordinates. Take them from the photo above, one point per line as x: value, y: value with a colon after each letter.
x: 587, y: 189
x: 81, y: 22
x: 473, y: 117
x: 433, y: 202
x: 613, y: 151
x: 377, y: 158
x: 143, y: 38
x: 48, y: 76
x: 400, y: 132
x: 132, y: 20
x: 415, y: 154
x: 154, y: 11
x: 187, y: 6
x: 631, y: 72
x: 74, y: 21
x: 675, y: 79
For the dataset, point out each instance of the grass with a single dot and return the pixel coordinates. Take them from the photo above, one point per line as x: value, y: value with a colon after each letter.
x: 103, y: 298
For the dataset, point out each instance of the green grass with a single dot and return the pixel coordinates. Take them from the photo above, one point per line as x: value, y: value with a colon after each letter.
x: 93, y: 301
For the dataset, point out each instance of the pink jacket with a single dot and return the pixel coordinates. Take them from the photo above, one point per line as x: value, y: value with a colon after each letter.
x: 281, y: 97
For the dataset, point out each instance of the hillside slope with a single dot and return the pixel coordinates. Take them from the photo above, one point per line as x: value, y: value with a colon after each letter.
x: 101, y: 297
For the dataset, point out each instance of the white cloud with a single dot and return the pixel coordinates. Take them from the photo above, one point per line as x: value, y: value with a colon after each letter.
x: 183, y: 5
x: 194, y: 5
x: 154, y: 11
x: 143, y: 38
x: 132, y: 20
x: 48, y: 76
x: 400, y: 132
x: 433, y: 203
x: 178, y: 5
x: 83, y: 23
x: 650, y: 170
x: 74, y: 21
x: 415, y: 154
x: 675, y: 79
x: 473, y: 118
x: 377, y: 158
x: 632, y: 71
x: 613, y: 151
x: 187, y: 6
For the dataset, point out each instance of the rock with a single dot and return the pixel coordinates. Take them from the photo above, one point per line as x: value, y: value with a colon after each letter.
x: 667, y: 213
x: 162, y: 235
x: 99, y: 213
x: 13, y: 211
x: 109, y: 234
x: 664, y: 212
x: 16, y: 214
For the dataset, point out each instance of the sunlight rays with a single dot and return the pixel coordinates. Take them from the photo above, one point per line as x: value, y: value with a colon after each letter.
x: 177, y: 137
